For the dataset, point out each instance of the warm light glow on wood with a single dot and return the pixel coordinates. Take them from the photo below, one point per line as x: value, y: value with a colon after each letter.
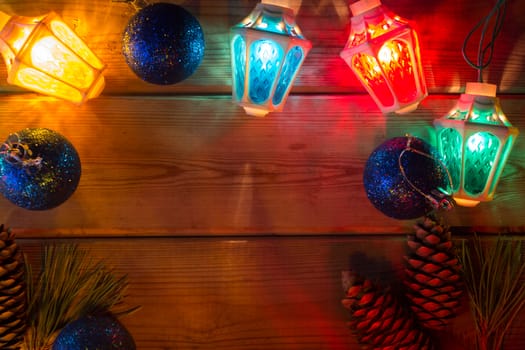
x: 43, y: 54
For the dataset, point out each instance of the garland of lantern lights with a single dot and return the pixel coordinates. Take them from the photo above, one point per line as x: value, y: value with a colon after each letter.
x: 473, y: 144
x: 477, y: 120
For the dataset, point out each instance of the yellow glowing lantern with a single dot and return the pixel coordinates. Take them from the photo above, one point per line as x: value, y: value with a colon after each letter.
x: 383, y: 52
x: 43, y: 54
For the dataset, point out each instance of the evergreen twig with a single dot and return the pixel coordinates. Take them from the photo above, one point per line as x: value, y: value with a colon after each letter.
x: 493, y: 277
x: 70, y: 285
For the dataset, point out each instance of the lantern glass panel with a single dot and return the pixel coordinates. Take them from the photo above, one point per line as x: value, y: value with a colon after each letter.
x: 17, y: 31
x: 369, y: 72
x: 266, y: 58
x: 451, y: 141
x: 397, y: 62
x: 293, y: 61
x: 482, y: 149
x: 503, y: 160
x: 71, y: 40
x: 239, y: 65
x: 54, y: 58
x: 38, y: 81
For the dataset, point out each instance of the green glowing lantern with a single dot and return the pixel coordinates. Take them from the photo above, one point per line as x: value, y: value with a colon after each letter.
x: 475, y: 140
x: 267, y: 51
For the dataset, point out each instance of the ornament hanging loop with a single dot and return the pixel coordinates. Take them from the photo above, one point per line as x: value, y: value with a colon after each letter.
x: 18, y: 153
x: 438, y: 198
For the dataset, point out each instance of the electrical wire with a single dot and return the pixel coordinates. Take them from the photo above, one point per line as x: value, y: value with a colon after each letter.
x: 485, y: 53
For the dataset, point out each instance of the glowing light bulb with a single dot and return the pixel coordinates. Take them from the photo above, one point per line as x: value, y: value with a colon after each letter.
x: 385, y: 55
x: 268, y: 54
x: 476, y: 143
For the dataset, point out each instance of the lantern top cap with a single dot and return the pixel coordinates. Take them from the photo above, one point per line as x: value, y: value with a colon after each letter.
x: 481, y: 89
x: 363, y: 6
x: 281, y: 3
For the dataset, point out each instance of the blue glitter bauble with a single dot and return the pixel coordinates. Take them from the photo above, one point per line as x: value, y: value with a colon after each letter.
x: 387, y: 188
x: 39, y: 169
x: 163, y: 44
x: 101, y: 332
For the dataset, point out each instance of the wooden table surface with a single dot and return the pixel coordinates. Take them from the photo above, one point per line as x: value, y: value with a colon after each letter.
x: 234, y: 230
x: 199, y: 166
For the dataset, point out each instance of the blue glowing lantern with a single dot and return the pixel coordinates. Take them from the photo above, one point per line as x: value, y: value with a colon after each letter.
x: 267, y: 51
x: 475, y: 140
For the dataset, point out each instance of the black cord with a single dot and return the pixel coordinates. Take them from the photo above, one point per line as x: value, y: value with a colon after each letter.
x: 485, y: 53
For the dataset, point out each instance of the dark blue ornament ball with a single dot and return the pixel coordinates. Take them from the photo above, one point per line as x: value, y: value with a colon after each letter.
x: 39, y: 169
x: 163, y: 44
x: 390, y: 191
x: 101, y: 332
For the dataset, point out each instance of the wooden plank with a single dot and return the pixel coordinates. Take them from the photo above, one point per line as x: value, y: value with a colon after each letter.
x: 251, y: 293
x: 442, y: 27
x: 199, y: 166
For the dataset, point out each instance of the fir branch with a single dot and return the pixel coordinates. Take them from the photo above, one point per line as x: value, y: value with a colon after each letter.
x: 493, y: 277
x: 70, y: 285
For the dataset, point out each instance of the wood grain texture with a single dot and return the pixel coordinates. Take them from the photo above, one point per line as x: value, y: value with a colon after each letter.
x: 199, y: 166
x: 275, y: 207
x: 252, y: 293
x: 442, y: 27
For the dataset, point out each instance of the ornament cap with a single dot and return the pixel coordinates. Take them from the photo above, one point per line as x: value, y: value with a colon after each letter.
x: 363, y: 6
x: 439, y: 199
x: 481, y: 89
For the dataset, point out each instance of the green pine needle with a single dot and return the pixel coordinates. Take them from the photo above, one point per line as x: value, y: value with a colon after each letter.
x: 493, y: 277
x: 70, y: 285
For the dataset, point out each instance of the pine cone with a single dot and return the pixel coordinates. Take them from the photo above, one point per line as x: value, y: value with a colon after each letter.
x: 433, y: 274
x: 13, y: 302
x: 378, y: 318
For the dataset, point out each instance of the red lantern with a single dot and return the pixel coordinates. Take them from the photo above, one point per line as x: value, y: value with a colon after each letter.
x: 383, y: 52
